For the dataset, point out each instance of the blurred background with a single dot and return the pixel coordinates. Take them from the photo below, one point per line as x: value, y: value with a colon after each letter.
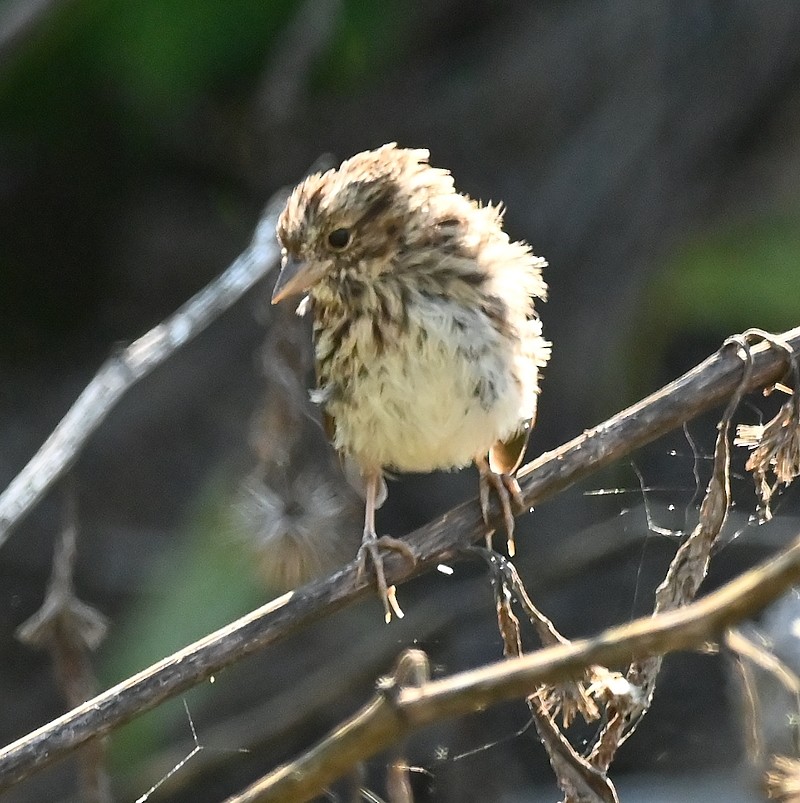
x: 650, y: 151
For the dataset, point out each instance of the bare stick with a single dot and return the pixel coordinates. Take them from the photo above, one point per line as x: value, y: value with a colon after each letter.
x: 123, y: 370
x: 441, y: 540
x: 70, y: 630
x: 395, y: 712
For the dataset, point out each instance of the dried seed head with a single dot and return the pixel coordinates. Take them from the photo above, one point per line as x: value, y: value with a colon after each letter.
x: 302, y: 532
x: 775, y: 460
x: 783, y: 780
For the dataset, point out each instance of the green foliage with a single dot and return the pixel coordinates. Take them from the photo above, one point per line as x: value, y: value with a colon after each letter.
x: 370, y: 36
x: 163, y: 51
x: 43, y: 90
x: 205, y: 582
x: 150, y: 57
x: 747, y: 275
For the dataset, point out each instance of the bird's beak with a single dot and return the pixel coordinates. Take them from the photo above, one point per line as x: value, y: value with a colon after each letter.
x: 295, y: 278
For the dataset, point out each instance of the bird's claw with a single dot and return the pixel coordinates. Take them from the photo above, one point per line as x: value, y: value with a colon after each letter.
x: 509, y: 495
x: 370, y: 549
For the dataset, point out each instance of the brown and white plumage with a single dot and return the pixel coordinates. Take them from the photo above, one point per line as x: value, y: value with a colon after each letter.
x: 427, y: 343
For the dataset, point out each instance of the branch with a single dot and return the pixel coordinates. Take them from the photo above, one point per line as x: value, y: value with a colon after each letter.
x: 699, y: 390
x: 70, y: 630
x: 706, y: 386
x: 122, y: 371
x: 398, y: 710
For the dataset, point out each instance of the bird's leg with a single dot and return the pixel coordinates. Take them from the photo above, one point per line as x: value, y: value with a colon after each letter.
x: 371, y: 547
x: 509, y: 495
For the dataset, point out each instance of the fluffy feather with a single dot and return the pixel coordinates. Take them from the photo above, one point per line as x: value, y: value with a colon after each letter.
x: 427, y: 342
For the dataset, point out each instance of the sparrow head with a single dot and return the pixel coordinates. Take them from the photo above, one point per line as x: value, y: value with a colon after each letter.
x: 353, y: 220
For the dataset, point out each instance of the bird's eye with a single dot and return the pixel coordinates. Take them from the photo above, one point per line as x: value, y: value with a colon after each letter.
x: 339, y: 238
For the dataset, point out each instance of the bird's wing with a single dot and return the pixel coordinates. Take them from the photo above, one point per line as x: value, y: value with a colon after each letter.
x: 505, y: 456
x: 328, y: 425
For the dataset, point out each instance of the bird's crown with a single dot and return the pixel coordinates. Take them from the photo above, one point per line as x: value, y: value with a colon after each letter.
x: 374, y: 187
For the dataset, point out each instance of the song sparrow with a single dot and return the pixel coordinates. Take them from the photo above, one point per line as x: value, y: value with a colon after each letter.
x: 427, y: 344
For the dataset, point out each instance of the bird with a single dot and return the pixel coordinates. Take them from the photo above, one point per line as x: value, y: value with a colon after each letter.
x: 427, y: 343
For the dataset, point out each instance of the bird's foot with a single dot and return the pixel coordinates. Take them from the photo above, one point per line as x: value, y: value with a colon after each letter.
x: 509, y: 495
x: 370, y: 549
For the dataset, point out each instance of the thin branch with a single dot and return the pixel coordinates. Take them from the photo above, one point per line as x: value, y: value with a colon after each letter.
x: 123, y: 370
x: 707, y: 385
x: 569, y: 698
x: 70, y: 630
x: 750, y: 655
x: 439, y: 541
x: 389, y: 717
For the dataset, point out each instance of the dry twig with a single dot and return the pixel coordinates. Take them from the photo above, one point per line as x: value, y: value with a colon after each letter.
x: 390, y: 717
x: 782, y: 779
x: 69, y: 630
x: 441, y: 540
x: 120, y: 372
x: 569, y: 699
